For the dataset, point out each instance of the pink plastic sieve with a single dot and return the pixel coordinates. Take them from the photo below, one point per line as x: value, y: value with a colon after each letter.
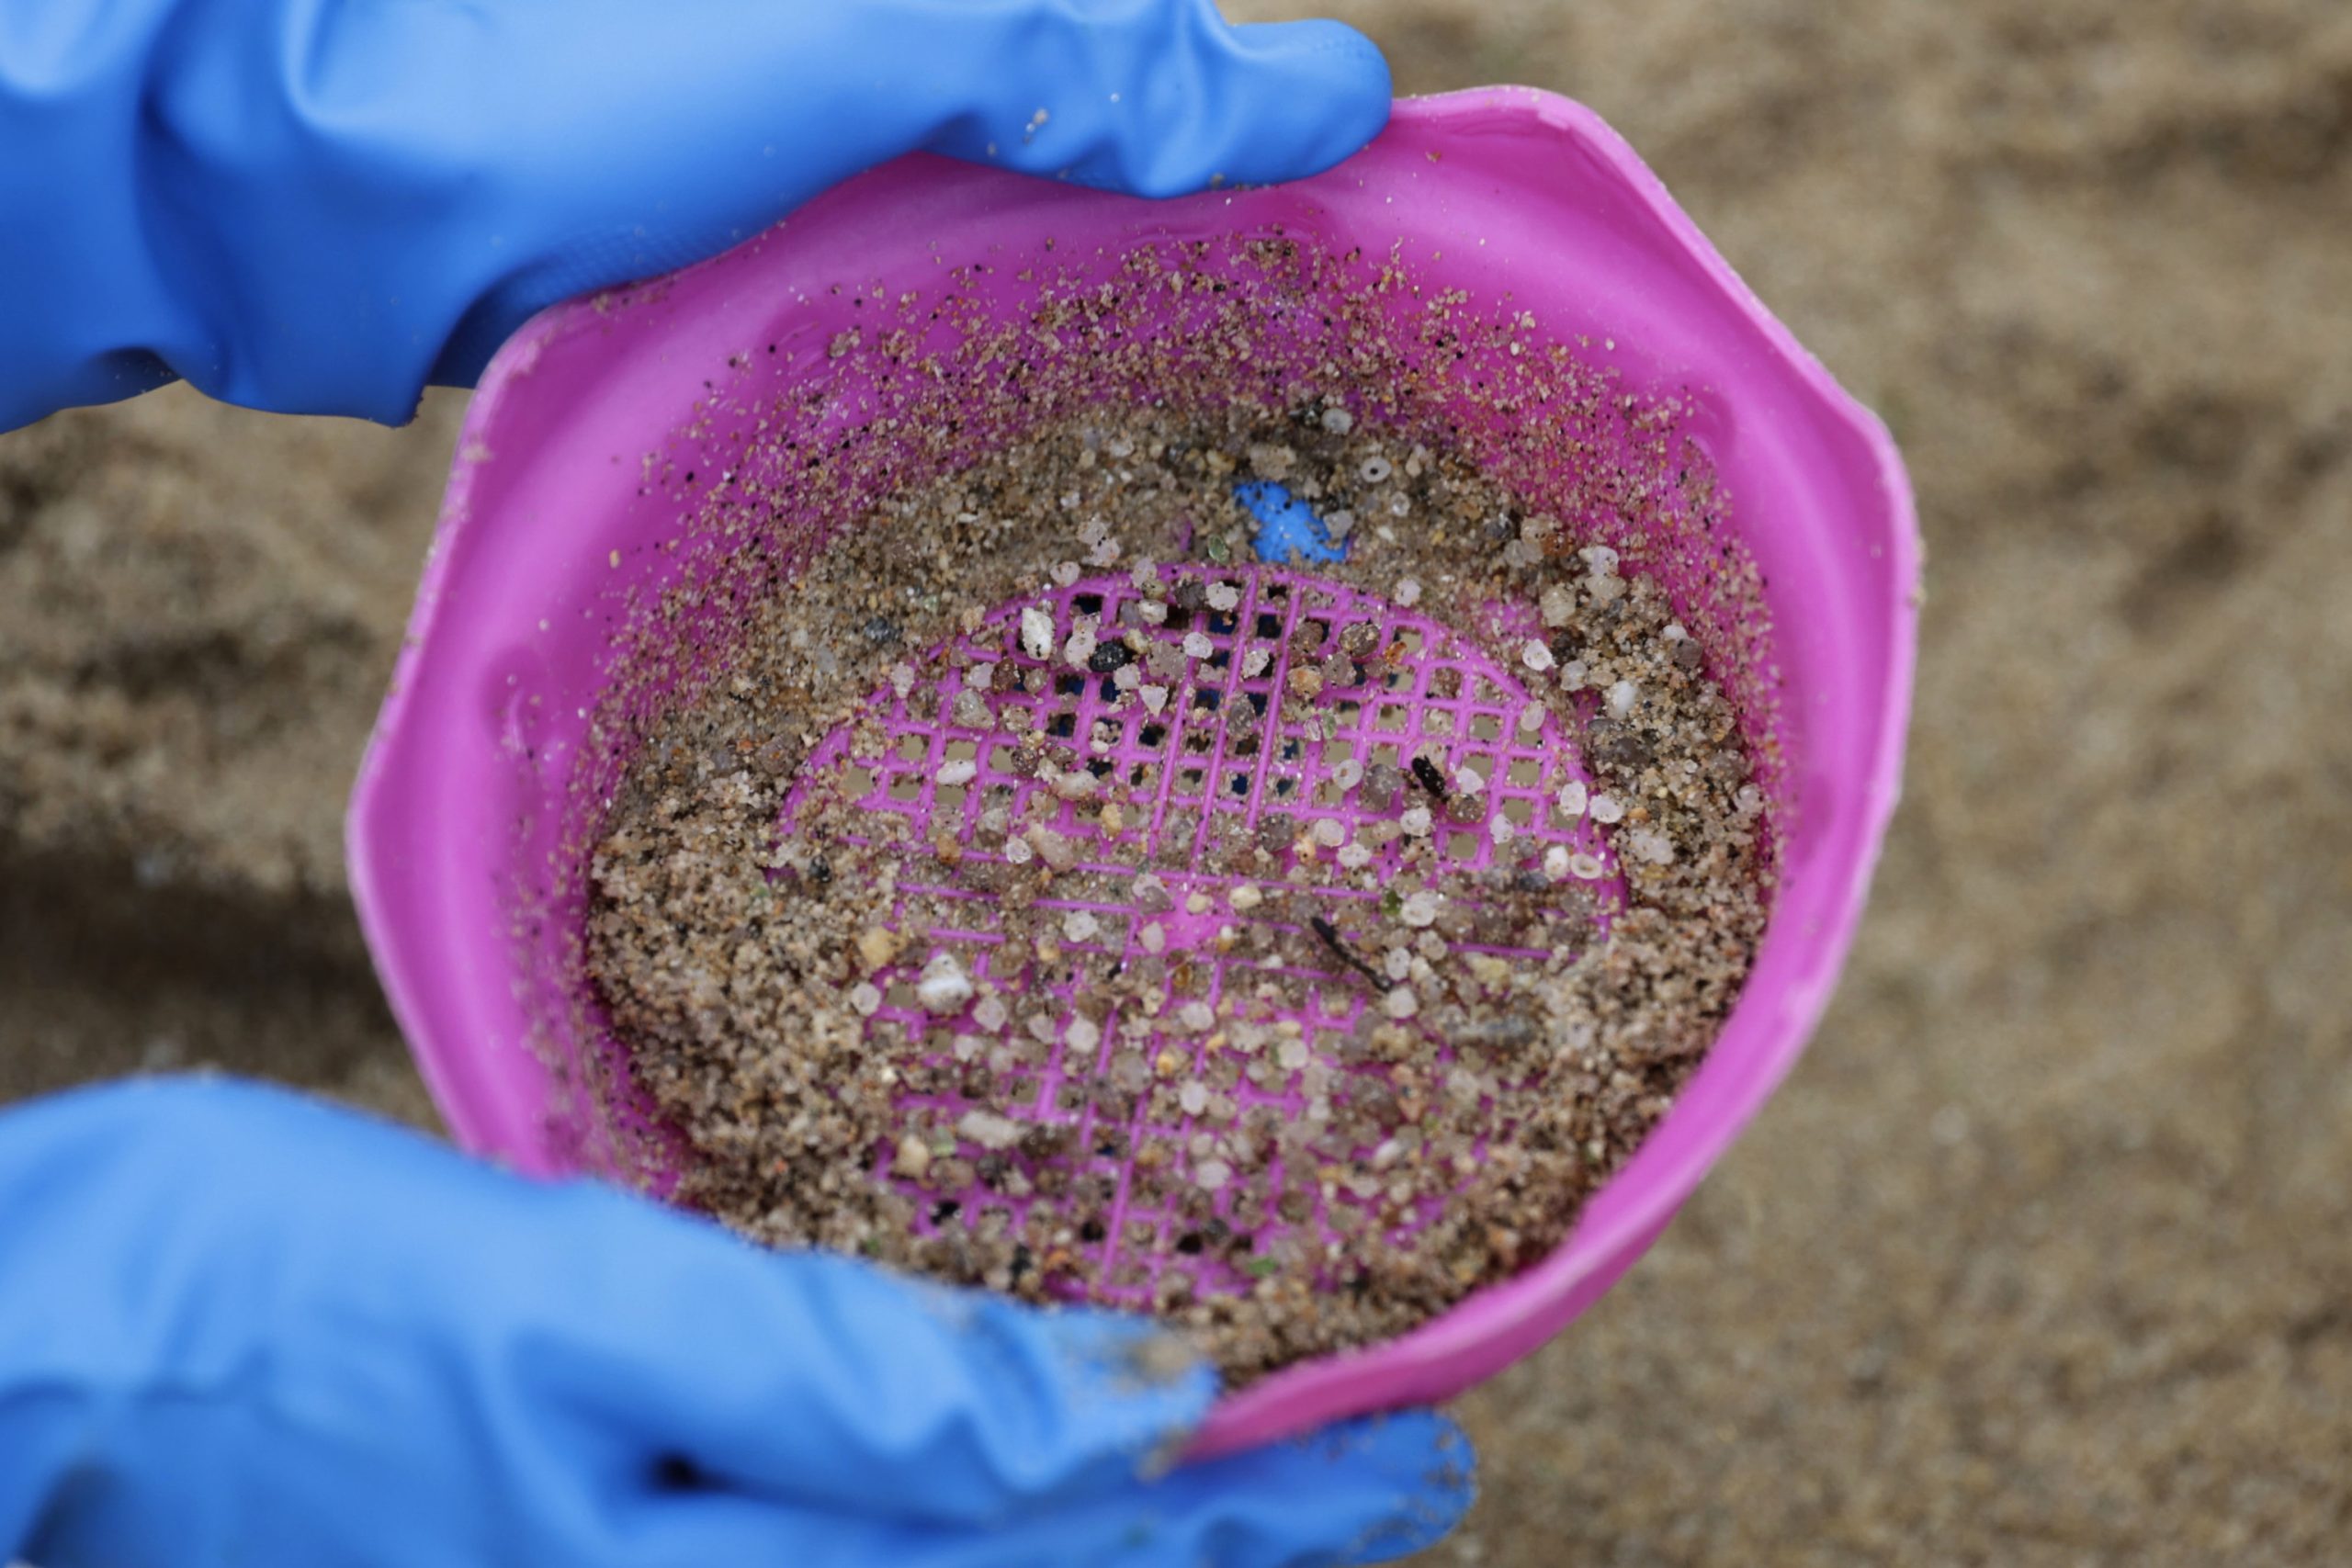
x: 603, y: 425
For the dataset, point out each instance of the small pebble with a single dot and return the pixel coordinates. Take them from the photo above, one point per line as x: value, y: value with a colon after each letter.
x: 1079, y: 925
x: 962, y: 772
x: 1416, y: 821
x: 865, y: 997
x: 1420, y: 909
x: 1197, y: 645
x: 1621, y: 697
x: 1224, y: 596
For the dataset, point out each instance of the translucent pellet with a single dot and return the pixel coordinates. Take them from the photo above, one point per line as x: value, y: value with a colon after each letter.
x: 1079, y: 647
x: 1198, y: 646
x: 1079, y: 925
x: 1622, y: 698
x: 865, y: 997
x: 1224, y: 596
x: 1400, y: 1003
x: 1573, y: 798
x: 1193, y: 1097
x: 991, y: 1013
x: 1291, y: 1054
x: 1535, y: 656
x: 1608, y: 808
x: 943, y: 988
x: 1036, y: 633
x: 1408, y: 591
x: 1374, y: 470
x: 1083, y: 1034
x: 1416, y: 821
x: 1347, y: 774
x: 1420, y: 909
x: 1213, y: 1174
x: 1328, y: 831
x: 957, y: 772
x: 1196, y: 1016
x: 1585, y: 867
x: 1355, y: 857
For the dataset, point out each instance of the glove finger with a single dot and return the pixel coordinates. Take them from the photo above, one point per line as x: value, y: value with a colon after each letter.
x: 835, y: 1386
x: 1363, y: 1492
x: 1158, y: 97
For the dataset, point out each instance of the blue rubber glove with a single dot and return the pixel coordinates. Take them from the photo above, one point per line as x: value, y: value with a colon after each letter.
x: 242, y: 1328
x: 320, y: 206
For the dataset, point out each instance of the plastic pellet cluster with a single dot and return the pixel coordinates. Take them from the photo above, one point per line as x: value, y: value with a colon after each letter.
x: 1205, y: 783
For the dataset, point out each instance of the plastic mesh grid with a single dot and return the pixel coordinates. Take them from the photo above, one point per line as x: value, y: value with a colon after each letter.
x: 1218, y: 762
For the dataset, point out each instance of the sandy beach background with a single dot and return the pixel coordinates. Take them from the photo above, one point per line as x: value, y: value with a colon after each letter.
x: 2044, y: 1254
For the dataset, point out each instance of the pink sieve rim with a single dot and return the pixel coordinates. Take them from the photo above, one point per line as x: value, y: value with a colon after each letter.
x: 1828, y: 506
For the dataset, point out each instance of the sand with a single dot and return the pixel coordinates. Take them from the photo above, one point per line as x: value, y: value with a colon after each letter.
x: 2043, y: 1255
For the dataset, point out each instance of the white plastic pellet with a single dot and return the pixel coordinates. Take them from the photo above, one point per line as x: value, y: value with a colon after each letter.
x: 959, y: 772
x: 1328, y: 831
x: 865, y: 997
x: 1573, y: 798
x: 1420, y: 909
x: 1535, y: 656
x: 989, y: 1130
x: 1079, y: 925
x: 1224, y: 596
x: 943, y: 988
x: 1197, y: 645
x: 1407, y: 591
x: 1416, y: 821
x: 1608, y: 808
x: 1621, y: 697
x: 1036, y: 633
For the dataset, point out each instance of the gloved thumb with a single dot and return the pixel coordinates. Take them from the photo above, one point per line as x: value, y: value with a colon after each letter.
x: 622, y: 141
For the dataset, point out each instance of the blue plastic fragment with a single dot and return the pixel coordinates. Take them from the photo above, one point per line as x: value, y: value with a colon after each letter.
x: 1289, y: 529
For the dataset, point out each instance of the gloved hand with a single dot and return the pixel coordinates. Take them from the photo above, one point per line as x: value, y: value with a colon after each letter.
x: 242, y: 1328
x: 317, y: 206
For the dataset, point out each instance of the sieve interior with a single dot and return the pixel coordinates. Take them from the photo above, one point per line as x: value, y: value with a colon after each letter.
x: 1172, y: 1182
